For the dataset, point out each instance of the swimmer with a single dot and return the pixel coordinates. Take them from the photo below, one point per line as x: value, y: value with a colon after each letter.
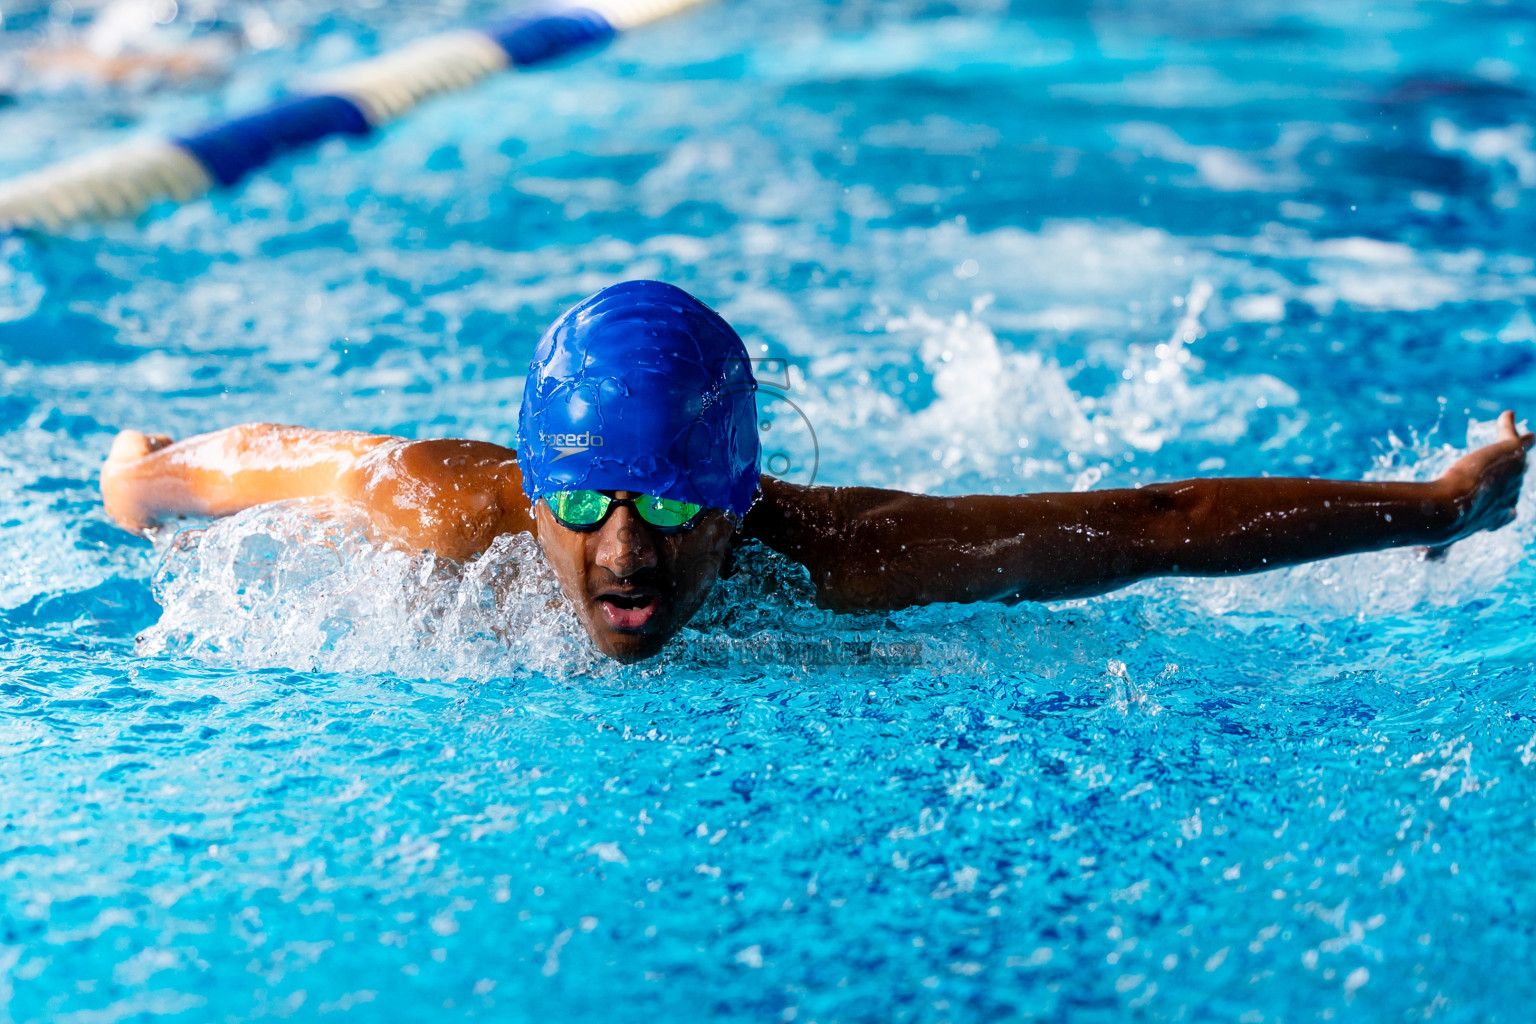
x: 145, y: 43
x: 637, y: 469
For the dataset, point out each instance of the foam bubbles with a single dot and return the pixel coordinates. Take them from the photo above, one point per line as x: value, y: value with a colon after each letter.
x: 20, y: 290
x: 1505, y: 151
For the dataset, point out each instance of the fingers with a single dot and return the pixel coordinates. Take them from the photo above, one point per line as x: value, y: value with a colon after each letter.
x: 1509, y: 432
x: 130, y: 445
x: 127, y: 446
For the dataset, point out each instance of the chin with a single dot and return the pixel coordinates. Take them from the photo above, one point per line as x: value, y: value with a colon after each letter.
x: 628, y: 648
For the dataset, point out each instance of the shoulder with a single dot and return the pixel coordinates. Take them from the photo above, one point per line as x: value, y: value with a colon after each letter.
x: 441, y: 453
x: 446, y: 463
x: 450, y: 495
x: 787, y: 513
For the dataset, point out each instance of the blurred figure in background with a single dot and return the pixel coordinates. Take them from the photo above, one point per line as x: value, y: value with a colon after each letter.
x: 141, y: 44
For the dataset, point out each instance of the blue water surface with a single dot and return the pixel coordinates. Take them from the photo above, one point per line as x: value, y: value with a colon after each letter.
x: 264, y: 770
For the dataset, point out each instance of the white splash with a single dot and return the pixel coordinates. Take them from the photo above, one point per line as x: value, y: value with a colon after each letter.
x: 296, y: 585
x: 1507, y: 151
x: 1217, y: 167
x: 1006, y: 420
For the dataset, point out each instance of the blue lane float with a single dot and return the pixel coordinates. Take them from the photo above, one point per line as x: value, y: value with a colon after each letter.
x: 354, y: 101
x: 529, y: 41
x: 234, y: 149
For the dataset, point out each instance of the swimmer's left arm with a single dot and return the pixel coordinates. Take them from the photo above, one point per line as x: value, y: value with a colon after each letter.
x: 874, y: 549
x: 452, y: 497
x: 150, y: 478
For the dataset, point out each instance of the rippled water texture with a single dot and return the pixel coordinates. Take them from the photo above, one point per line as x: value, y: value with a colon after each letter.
x: 269, y: 771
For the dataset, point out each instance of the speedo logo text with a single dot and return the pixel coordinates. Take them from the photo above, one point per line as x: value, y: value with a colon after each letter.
x: 570, y: 444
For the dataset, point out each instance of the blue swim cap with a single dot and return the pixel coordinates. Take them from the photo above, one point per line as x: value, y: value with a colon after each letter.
x: 641, y: 387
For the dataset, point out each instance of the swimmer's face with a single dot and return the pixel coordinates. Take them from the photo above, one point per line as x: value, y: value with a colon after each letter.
x: 633, y: 588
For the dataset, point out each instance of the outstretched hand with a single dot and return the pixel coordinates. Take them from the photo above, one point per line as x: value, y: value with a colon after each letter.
x: 1484, y: 485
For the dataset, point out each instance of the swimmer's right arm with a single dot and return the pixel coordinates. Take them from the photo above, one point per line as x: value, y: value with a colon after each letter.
x: 448, y: 496
x: 870, y: 549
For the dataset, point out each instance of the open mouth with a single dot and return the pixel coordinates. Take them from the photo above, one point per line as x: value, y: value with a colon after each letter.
x: 628, y: 610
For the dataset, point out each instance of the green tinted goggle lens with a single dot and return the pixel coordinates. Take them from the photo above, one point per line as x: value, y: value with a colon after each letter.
x: 587, y: 509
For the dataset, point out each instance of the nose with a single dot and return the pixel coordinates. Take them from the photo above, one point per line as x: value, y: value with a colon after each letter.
x: 624, y: 544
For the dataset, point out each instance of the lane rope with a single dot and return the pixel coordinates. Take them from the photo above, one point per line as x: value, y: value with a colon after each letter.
x: 124, y: 180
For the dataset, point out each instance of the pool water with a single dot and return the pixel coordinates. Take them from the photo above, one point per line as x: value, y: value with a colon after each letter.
x: 264, y: 770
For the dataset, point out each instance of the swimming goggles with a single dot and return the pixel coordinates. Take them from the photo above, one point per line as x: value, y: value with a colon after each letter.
x: 586, y: 510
